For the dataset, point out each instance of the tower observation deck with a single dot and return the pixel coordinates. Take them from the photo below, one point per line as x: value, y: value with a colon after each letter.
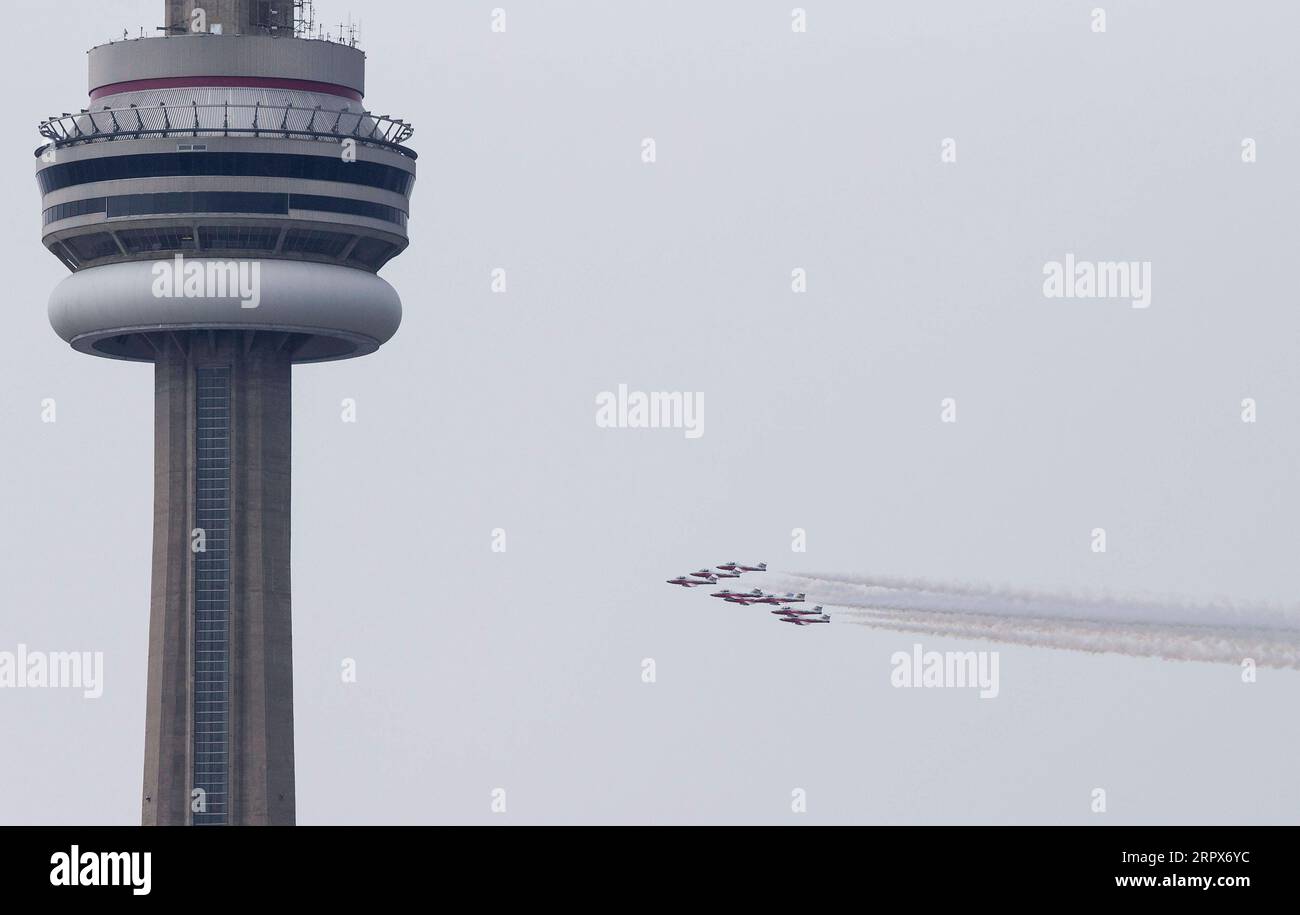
x: 223, y: 204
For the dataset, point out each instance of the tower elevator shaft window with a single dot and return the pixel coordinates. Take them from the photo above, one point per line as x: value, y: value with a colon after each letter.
x: 212, y: 594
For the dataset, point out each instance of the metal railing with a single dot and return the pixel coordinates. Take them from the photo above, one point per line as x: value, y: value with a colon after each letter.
x: 226, y: 120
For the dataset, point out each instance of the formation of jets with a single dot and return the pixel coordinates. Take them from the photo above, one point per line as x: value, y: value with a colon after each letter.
x: 784, y: 612
x: 745, y: 598
x: 707, y: 576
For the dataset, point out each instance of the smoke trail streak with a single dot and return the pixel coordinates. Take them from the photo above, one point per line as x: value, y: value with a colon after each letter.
x: 914, y: 594
x: 1269, y: 649
x: 1223, y: 633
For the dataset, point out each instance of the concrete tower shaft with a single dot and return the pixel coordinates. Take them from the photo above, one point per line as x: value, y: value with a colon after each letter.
x: 224, y: 205
x: 219, y: 707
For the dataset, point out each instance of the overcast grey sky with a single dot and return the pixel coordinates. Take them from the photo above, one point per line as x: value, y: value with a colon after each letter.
x: 775, y: 150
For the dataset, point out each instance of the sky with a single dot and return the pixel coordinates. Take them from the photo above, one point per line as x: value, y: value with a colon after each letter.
x: 775, y: 150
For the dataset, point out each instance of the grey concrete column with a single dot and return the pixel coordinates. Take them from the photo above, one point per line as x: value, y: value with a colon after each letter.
x: 167, y: 710
x: 259, y: 773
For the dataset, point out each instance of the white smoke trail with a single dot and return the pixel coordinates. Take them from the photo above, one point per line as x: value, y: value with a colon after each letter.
x: 915, y: 594
x: 1266, y: 648
x: 1226, y: 633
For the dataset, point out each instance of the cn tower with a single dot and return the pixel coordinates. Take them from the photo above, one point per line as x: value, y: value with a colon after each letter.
x: 224, y: 204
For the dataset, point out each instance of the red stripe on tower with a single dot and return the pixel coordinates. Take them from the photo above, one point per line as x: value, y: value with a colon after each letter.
x: 222, y: 82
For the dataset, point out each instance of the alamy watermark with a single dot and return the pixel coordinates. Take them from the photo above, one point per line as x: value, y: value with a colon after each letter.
x: 208, y: 279
x: 1073, y: 279
x: 25, y: 669
x: 103, y: 868
x: 626, y: 409
x: 950, y: 669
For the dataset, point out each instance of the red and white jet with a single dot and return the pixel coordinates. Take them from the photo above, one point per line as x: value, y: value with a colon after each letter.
x: 790, y: 611
x: 687, y: 581
x: 706, y: 575
x: 723, y: 573
x: 739, y: 597
x: 773, y: 599
x: 805, y: 621
x: 737, y: 567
